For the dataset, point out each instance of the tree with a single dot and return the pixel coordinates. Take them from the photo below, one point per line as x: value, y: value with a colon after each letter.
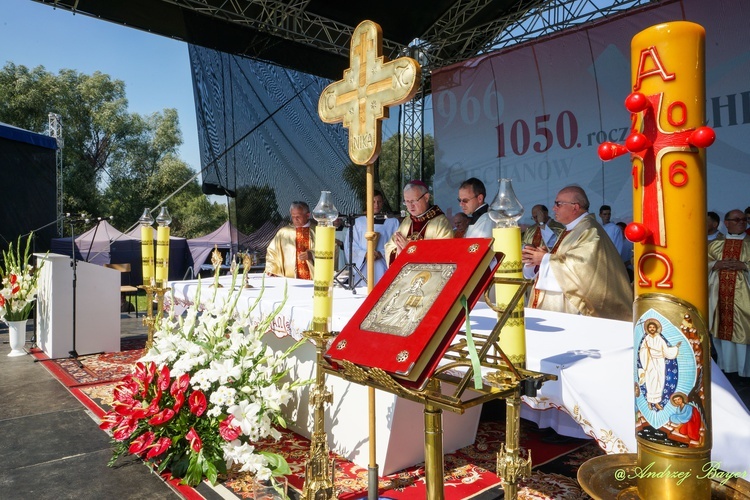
x: 114, y: 162
x: 253, y: 206
x: 387, y: 177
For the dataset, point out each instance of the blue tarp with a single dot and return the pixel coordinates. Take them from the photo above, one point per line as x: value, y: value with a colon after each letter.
x: 18, y: 134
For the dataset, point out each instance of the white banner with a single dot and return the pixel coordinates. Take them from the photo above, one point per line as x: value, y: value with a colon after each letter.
x: 536, y: 114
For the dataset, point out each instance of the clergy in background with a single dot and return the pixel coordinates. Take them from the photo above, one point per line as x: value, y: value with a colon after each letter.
x: 545, y: 231
x: 290, y: 253
x: 425, y: 221
x: 583, y: 273
x: 729, y: 295
x: 384, y: 226
x: 472, y: 197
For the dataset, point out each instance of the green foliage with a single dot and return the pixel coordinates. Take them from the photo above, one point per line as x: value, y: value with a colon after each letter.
x: 114, y: 162
x: 387, y: 176
x: 254, y: 206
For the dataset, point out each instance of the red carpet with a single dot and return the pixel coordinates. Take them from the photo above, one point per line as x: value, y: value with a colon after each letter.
x: 469, y: 472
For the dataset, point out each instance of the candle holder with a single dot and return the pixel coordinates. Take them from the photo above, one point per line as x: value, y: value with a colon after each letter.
x: 216, y: 261
x: 247, y: 263
x: 319, y: 470
x: 151, y: 320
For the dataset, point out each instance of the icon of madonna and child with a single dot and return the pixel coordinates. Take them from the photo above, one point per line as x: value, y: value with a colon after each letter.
x: 669, y: 404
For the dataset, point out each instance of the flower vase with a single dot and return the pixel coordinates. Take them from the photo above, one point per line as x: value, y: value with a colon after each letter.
x: 17, y: 336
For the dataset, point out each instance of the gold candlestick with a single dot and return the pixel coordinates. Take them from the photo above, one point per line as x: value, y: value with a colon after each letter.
x: 216, y: 262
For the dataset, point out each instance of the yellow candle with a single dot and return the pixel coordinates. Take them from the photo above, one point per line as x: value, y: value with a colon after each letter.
x: 162, y: 255
x: 513, y: 334
x: 671, y: 282
x: 668, y: 69
x: 147, y: 254
x: 325, y: 244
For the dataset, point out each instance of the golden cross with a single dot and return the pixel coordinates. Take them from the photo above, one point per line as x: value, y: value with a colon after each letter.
x: 370, y: 85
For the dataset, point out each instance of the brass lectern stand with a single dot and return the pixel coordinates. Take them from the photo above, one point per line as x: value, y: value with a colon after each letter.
x: 505, y: 382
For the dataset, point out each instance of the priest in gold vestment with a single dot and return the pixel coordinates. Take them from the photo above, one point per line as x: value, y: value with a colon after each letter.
x: 425, y: 221
x: 583, y: 273
x: 729, y: 295
x: 545, y: 231
x: 290, y: 253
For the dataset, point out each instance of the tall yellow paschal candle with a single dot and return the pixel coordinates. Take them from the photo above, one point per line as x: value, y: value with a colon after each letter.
x: 669, y: 182
x: 513, y: 334
x: 147, y: 254
x: 162, y: 255
x: 671, y: 346
x: 325, y: 244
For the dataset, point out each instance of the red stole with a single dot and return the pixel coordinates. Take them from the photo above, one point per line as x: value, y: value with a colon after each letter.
x: 535, y: 302
x: 302, y: 243
x: 727, y: 282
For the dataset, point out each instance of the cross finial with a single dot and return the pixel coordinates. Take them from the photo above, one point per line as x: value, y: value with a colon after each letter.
x: 369, y: 86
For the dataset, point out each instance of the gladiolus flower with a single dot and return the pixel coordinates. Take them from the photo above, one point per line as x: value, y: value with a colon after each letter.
x: 195, y: 441
x: 140, y: 443
x: 228, y: 431
x: 13, y: 279
x: 159, y: 447
x: 197, y: 401
x: 163, y: 416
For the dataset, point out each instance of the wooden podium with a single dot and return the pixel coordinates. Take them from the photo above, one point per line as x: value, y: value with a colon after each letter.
x: 97, y: 307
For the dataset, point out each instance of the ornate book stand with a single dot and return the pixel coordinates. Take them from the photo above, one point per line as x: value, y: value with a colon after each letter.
x: 500, y: 380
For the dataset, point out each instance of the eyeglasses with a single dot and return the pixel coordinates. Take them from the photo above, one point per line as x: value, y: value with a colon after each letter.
x: 737, y: 219
x: 464, y: 201
x: 412, y: 202
x: 558, y: 204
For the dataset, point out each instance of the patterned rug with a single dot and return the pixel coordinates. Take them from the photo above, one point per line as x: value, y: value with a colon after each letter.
x: 469, y: 472
x: 98, y: 368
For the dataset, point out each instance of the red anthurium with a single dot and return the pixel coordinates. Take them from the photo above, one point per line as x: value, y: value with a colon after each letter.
x: 158, y: 447
x: 197, y: 401
x: 195, y: 441
x: 125, y: 429
x: 164, y: 378
x: 109, y: 420
x: 179, y: 400
x: 163, y: 416
x: 228, y: 431
x: 140, y: 443
x: 180, y: 384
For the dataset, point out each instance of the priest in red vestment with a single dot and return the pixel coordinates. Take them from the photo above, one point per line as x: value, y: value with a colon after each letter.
x: 425, y: 221
x: 290, y: 253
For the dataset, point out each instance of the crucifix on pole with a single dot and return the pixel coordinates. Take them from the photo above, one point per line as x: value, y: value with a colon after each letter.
x: 360, y: 100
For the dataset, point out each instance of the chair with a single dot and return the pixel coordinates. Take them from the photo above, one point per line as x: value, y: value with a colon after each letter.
x: 126, y: 290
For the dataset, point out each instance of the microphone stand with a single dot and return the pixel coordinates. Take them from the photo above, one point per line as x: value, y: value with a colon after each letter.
x: 350, y: 266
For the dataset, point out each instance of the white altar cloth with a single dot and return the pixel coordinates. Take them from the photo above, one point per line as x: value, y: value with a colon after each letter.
x: 399, y: 422
x: 593, y: 396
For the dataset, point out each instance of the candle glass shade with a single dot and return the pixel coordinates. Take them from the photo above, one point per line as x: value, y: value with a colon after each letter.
x: 325, y: 211
x: 505, y: 209
x: 147, y: 246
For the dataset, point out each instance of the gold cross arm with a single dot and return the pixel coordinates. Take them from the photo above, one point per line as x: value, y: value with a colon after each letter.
x: 369, y: 86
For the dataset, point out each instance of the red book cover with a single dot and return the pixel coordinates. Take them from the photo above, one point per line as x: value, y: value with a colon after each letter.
x: 412, y: 315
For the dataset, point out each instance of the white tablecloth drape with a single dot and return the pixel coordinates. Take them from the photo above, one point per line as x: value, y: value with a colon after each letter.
x: 593, y: 359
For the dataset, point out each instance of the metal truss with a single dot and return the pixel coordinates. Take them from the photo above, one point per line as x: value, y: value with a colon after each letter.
x: 55, y: 131
x: 288, y: 20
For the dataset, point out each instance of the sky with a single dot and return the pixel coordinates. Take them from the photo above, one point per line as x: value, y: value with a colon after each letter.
x: 155, y: 69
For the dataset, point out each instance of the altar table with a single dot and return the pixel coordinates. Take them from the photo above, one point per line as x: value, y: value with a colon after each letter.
x: 592, y: 398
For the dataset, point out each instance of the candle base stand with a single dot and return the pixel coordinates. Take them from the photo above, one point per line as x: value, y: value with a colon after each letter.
x: 616, y: 476
x: 503, y: 380
x: 150, y: 320
x: 319, y: 470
